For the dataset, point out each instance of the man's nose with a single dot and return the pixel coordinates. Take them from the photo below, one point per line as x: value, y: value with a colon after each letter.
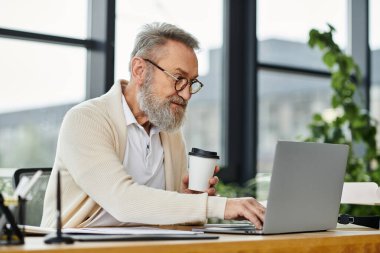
x: 185, y: 93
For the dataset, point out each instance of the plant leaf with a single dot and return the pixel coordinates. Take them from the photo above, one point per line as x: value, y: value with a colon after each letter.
x: 329, y: 59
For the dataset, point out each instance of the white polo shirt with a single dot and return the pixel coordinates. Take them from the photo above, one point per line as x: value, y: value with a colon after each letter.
x: 144, y: 155
x: 143, y: 160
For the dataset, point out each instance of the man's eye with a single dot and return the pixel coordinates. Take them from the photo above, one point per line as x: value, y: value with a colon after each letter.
x: 180, y: 77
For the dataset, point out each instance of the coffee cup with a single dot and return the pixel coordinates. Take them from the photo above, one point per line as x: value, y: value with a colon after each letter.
x: 201, y: 168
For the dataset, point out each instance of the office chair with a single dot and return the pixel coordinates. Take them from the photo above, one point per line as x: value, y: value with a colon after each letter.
x: 33, y: 208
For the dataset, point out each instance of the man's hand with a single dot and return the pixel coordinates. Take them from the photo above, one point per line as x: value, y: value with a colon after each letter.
x: 245, y: 209
x: 211, y: 191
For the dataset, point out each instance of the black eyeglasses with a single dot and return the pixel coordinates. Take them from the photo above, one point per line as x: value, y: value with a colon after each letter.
x: 181, y: 82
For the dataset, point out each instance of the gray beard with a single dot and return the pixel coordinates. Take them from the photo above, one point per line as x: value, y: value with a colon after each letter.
x: 158, y: 110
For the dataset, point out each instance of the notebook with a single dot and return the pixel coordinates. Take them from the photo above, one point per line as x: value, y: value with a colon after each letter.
x: 305, y: 190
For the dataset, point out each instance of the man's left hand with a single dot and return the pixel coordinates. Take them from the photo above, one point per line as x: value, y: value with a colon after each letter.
x: 211, y: 191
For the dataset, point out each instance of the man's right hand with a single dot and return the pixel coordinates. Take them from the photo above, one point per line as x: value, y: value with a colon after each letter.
x: 245, y: 209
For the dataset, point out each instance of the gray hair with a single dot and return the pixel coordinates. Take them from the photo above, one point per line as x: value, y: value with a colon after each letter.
x: 157, y: 34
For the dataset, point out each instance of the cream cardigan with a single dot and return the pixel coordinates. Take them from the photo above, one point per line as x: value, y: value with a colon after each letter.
x: 90, y: 154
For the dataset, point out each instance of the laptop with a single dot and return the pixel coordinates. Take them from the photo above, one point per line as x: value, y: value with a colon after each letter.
x: 305, y: 190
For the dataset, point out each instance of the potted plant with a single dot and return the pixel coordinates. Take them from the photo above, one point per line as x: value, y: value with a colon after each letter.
x: 352, y: 124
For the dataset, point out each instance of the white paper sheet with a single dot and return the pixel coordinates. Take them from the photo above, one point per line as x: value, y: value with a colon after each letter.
x: 127, y: 231
x: 111, y: 231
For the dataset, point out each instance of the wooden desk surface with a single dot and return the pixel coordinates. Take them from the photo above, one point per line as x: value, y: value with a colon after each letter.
x: 339, y: 240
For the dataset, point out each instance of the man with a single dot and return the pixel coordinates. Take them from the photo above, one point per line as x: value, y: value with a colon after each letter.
x: 122, y: 156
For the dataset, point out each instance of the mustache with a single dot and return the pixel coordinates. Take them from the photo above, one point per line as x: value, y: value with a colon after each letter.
x: 178, y: 100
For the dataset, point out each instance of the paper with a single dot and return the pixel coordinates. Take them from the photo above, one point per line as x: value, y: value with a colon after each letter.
x: 363, y: 193
x: 127, y: 231
x: 35, y: 230
x: 111, y: 231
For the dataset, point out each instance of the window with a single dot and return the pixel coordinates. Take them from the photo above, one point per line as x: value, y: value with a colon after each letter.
x: 203, y: 125
x: 283, y: 29
x: 36, y: 75
x: 287, y: 101
x: 63, y: 18
x: 39, y: 81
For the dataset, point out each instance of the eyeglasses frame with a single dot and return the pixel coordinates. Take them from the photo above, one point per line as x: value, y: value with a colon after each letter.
x: 189, y: 82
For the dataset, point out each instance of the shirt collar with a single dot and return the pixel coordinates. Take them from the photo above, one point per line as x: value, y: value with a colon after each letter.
x: 130, y: 118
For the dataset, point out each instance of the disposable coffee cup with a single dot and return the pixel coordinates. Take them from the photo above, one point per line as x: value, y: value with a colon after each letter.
x: 201, y: 168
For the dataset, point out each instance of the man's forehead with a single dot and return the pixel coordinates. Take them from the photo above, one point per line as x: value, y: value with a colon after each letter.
x: 179, y: 57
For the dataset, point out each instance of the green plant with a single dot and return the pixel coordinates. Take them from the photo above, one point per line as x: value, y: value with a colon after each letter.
x: 352, y: 124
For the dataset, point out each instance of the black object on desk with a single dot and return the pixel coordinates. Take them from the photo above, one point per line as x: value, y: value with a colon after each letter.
x: 366, y: 221
x: 58, y: 237
x: 10, y: 234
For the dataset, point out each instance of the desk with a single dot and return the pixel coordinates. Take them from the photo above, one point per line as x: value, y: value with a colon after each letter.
x: 340, y: 240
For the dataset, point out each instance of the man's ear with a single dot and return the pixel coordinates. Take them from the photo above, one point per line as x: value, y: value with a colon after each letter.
x: 138, y: 68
